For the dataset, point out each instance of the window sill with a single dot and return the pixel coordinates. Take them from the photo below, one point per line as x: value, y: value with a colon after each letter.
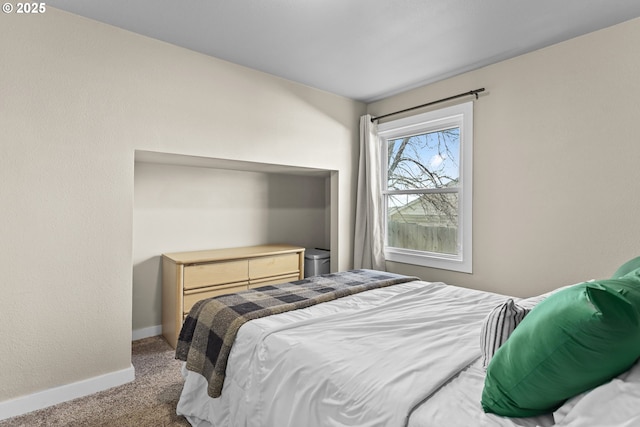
x: 429, y: 259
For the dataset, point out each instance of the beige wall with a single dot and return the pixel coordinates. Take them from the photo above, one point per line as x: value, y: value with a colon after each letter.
x: 556, y: 176
x: 76, y: 99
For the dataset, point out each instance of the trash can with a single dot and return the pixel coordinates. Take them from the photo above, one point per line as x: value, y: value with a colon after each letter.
x: 316, y: 262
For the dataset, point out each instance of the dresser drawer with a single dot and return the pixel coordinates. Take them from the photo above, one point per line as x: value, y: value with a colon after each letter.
x: 274, y: 280
x: 276, y: 265
x: 215, y: 273
x: 192, y: 297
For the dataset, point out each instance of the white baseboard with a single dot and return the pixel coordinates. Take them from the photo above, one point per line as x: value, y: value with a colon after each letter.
x: 151, y: 331
x: 33, y: 402
x: 53, y: 396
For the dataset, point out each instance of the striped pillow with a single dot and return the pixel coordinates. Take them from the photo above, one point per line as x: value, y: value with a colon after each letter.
x: 497, y: 327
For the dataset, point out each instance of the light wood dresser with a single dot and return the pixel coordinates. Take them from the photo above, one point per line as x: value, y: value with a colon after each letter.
x: 188, y: 277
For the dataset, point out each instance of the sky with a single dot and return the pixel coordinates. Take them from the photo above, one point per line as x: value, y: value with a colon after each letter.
x: 438, y: 152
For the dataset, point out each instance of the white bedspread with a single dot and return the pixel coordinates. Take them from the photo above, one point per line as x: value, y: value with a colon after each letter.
x: 457, y: 404
x: 364, y: 360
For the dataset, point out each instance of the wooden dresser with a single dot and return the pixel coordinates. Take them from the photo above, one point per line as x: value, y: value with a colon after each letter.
x: 188, y: 277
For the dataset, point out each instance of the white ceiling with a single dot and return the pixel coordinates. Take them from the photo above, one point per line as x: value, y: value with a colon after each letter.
x: 361, y: 49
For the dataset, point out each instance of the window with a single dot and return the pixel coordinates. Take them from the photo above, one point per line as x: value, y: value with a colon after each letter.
x: 427, y: 188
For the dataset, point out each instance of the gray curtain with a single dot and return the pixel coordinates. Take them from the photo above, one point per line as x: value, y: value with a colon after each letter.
x: 369, y: 234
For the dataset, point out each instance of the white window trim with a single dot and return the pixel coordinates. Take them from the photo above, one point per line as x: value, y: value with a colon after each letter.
x: 420, y: 123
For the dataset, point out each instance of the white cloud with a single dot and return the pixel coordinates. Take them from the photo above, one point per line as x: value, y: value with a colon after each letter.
x: 436, y: 161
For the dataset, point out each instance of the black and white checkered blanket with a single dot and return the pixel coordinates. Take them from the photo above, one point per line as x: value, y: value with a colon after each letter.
x: 210, y: 328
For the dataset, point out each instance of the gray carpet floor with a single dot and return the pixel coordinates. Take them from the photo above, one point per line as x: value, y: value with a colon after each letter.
x: 149, y: 400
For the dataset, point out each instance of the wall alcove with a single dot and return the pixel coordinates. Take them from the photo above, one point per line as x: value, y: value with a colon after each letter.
x: 184, y: 203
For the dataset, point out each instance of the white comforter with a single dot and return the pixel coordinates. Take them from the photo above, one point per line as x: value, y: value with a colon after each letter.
x: 365, y: 360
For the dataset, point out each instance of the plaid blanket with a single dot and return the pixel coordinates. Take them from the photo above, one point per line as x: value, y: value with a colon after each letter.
x: 211, y: 326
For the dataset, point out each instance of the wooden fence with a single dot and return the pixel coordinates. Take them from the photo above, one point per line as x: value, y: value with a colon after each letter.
x: 423, y: 237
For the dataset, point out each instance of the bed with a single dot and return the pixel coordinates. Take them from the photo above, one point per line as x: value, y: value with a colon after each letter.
x: 405, y: 354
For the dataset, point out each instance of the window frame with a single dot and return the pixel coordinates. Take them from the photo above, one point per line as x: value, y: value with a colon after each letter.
x: 461, y: 116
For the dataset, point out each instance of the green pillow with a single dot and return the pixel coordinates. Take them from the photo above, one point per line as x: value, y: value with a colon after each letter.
x: 626, y: 268
x: 574, y: 340
x: 632, y: 275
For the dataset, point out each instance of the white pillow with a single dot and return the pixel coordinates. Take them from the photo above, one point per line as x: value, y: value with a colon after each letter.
x: 498, y: 326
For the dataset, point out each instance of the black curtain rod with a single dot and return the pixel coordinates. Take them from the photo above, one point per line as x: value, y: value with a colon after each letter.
x: 460, y: 95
